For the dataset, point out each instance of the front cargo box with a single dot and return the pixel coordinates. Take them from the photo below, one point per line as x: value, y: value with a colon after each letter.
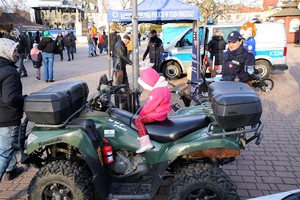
x: 55, y: 103
x: 234, y: 104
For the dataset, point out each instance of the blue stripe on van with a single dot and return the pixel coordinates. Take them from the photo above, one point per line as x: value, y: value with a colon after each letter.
x: 271, y: 53
x: 181, y: 56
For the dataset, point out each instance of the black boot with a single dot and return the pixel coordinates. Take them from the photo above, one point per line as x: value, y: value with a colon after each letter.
x: 10, y: 175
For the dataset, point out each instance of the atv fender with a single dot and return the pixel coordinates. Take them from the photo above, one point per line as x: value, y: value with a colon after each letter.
x: 200, y: 141
x: 80, y: 135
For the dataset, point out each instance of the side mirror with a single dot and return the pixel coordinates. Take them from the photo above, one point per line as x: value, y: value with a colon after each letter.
x: 178, y: 44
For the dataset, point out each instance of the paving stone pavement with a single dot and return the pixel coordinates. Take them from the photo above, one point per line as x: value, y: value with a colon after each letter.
x: 271, y: 167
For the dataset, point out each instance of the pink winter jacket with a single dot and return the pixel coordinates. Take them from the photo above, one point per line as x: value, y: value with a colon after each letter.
x: 158, y: 104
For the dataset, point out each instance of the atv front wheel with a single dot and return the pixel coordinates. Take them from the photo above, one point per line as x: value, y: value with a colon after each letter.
x: 202, y: 181
x: 61, y: 180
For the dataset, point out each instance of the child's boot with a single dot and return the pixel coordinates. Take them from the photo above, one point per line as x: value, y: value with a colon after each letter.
x: 145, y: 144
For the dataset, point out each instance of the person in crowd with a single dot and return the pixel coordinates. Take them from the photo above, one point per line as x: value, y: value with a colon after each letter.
x: 11, y: 112
x: 36, y: 57
x: 101, y: 42
x: 37, y: 37
x: 157, y: 105
x: 47, y: 45
x: 7, y: 34
x: 215, y: 47
x: 113, y: 39
x: 60, y: 44
x: 139, y: 38
x: 74, y: 38
x: 129, y: 46
x: 155, y: 50
x: 105, y: 38
x: 95, y: 38
x: 235, y: 59
x: 31, y: 40
x: 120, y: 61
x: 90, y: 44
x: 23, y: 48
x: 68, y: 41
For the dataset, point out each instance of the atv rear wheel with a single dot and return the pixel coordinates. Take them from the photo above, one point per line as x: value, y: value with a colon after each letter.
x: 202, y: 181
x: 61, y: 180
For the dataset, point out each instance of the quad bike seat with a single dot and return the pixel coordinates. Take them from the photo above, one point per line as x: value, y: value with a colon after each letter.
x: 172, y: 128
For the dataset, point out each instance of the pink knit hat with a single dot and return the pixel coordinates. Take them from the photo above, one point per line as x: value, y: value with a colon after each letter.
x: 149, y: 77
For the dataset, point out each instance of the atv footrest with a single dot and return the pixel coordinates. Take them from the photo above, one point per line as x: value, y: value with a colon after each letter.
x: 130, y: 191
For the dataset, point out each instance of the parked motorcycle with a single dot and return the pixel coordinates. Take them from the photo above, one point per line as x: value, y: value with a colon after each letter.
x: 87, y: 150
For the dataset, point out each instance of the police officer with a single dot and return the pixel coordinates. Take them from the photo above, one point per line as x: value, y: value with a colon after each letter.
x: 155, y: 50
x: 235, y: 59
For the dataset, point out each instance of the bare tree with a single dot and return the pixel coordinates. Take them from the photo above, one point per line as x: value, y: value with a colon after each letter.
x: 215, y: 8
x: 126, y: 4
x: 212, y: 8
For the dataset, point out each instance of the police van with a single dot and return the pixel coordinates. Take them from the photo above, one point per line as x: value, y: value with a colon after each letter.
x: 271, y: 47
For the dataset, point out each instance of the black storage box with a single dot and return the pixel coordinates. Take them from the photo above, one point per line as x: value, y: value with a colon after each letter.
x: 234, y: 104
x: 55, y: 103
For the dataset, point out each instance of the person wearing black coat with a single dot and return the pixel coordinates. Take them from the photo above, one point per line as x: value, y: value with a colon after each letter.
x: 11, y: 108
x: 69, y: 42
x: 23, y: 50
x: 216, y: 46
x: 113, y: 39
x: 155, y: 50
x: 235, y: 59
x: 60, y: 43
x: 120, y: 61
x: 47, y: 46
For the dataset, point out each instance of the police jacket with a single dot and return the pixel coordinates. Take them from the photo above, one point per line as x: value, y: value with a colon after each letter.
x: 234, y: 63
x: 120, y: 56
x: 154, y: 48
x: 11, y: 98
x: 216, y: 46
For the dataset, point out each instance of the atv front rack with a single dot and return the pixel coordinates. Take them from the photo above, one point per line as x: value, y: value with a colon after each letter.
x: 257, y: 134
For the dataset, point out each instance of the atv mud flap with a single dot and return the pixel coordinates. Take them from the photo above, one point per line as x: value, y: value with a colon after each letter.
x: 256, y: 130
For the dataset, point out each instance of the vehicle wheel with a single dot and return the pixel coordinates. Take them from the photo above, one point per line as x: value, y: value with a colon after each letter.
x: 263, y: 68
x: 267, y: 85
x: 202, y: 181
x: 172, y: 70
x: 61, y: 180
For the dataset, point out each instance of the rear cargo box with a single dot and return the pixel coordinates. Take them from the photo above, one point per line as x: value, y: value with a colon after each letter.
x: 55, y: 103
x: 234, y: 104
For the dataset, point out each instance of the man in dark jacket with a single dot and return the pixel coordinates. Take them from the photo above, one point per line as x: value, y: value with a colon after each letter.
x: 155, y: 50
x: 23, y: 48
x: 215, y: 47
x: 113, y: 39
x: 47, y: 45
x: 69, y: 42
x: 120, y: 61
x: 235, y: 59
x: 11, y: 108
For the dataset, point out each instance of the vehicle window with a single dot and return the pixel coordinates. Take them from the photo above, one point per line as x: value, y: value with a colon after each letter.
x: 187, y: 39
x: 226, y: 30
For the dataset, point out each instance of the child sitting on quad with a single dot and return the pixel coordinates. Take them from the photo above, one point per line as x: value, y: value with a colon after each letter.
x: 156, y: 107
